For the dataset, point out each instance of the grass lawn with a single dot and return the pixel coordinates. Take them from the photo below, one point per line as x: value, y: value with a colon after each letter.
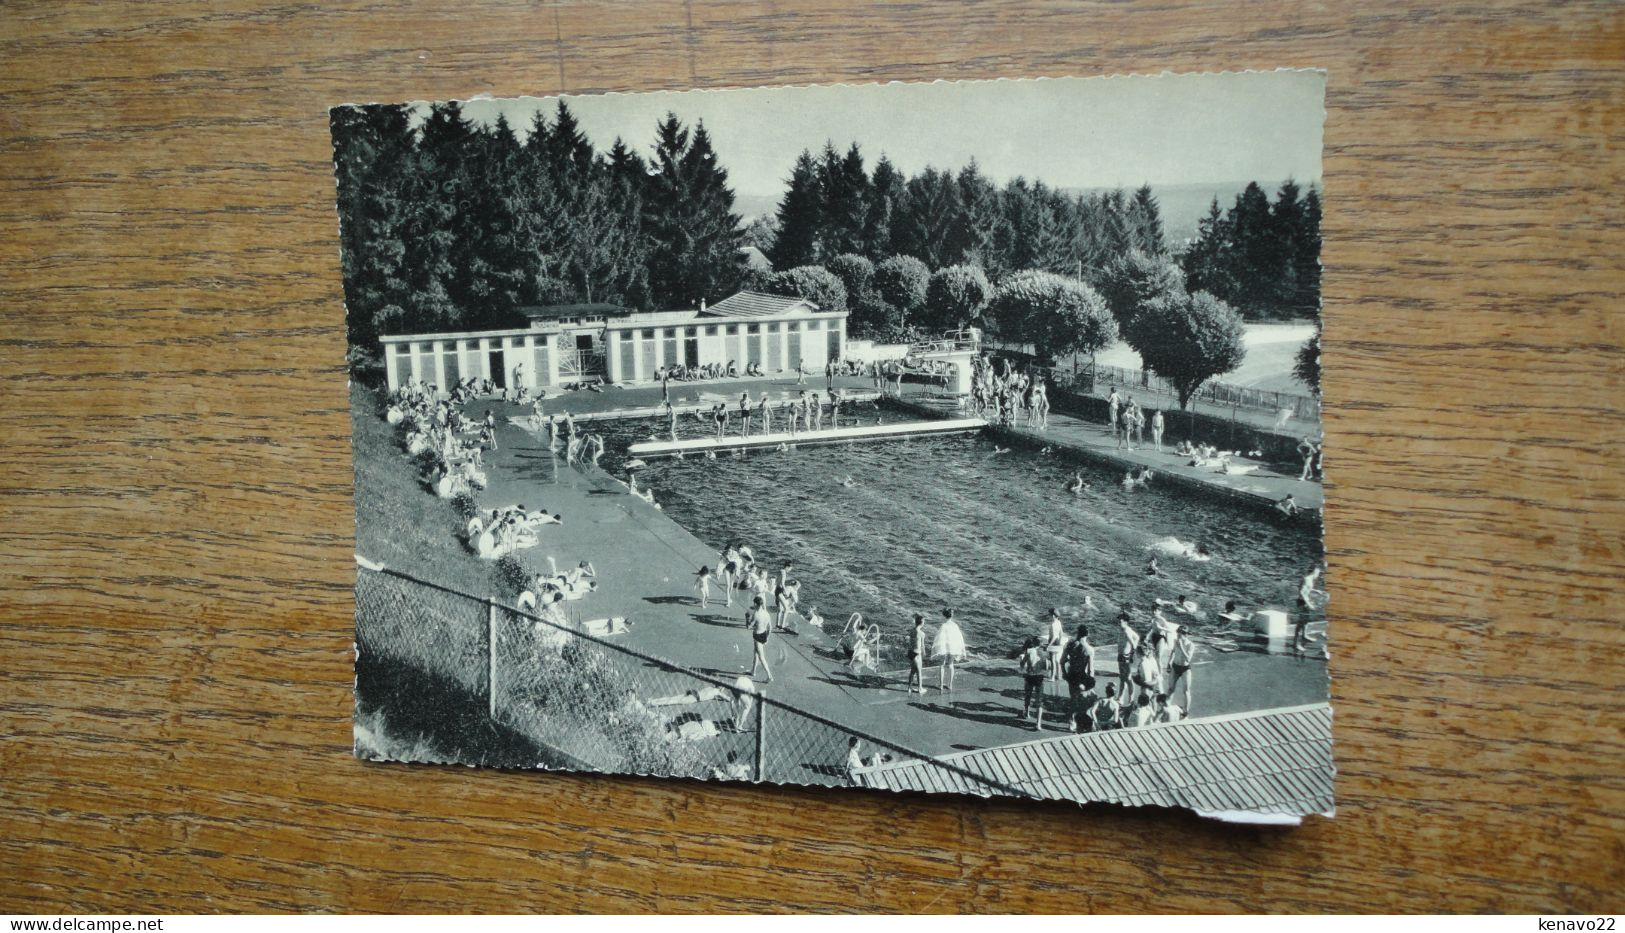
x: 423, y: 666
x: 1272, y: 349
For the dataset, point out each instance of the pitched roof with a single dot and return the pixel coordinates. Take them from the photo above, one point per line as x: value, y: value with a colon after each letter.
x: 757, y: 304
x: 1276, y: 762
x: 754, y: 258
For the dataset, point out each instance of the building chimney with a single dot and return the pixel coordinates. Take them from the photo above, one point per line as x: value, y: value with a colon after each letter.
x: 702, y: 305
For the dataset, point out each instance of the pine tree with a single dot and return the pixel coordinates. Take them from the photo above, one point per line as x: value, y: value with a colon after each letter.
x: 490, y: 254
x: 1207, y: 262
x: 1117, y: 232
x: 886, y: 193
x: 925, y: 226
x: 1306, y: 257
x: 1033, y: 234
x: 1145, y: 220
x: 980, y: 222
x: 688, y: 217
x: 797, y: 240
x: 1255, y: 256
x: 567, y: 146
x: 843, y: 195
x: 372, y: 150
x: 435, y: 193
x: 1090, y: 249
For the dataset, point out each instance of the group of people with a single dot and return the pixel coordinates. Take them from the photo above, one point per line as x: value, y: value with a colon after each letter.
x: 1309, y: 453
x: 430, y: 423
x: 579, y: 447
x: 1009, y: 397
x: 738, y: 570
x: 805, y: 412
x: 1128, y: 422
x: 1151, y: 667
x: 506, y: 530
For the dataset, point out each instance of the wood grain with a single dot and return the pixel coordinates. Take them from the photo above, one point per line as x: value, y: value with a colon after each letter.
x: 176, y: 622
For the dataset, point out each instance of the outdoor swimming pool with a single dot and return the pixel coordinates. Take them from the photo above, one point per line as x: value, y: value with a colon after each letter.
x: 947, y: 521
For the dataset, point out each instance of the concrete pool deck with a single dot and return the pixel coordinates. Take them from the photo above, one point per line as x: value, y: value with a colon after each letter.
x: 1263, y: 487
x: 646, y: 562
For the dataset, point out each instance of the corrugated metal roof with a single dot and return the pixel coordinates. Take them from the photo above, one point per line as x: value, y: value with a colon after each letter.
x: 1276, y: 762
x: 756, y: 304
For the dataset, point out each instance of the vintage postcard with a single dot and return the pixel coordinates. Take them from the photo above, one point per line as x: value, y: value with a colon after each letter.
x: 951, y: 437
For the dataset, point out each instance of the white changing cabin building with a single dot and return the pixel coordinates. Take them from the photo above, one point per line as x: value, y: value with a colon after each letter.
x: 565, y: 344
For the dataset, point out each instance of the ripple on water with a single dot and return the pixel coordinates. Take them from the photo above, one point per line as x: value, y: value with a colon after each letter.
x: 943, y: 521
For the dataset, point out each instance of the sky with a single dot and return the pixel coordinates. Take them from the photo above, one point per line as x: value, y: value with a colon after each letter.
x: 1067, y: 132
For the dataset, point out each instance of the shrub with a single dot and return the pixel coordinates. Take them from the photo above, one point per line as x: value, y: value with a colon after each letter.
x: 814, y: 283
x: 429, y: 462
x: 1056, y: 314
x: 956, y: 296
x: 465, y: 505
x: 511, y: 575
x: 901, y: 282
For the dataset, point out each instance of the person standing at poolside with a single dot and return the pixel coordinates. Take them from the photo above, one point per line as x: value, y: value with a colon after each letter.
x: 765, y: 411
x: 1156, y: 429
x: 702, y: 585
x: 1306, y: 450
x: 916, y: 656
x: 1034, y: 665
x: 719, y: 414
x: 817, y: 412
x: 1179, y: 667
x: 1127, y: 647
x: 1078, y: 670
x: 1113, y: 402
x: 1107, y: 712
x: 1054, y: 643
x: 744, y: 414
x: 829, y: 376
x: 761, y: 627
x: 949, y: 646
x: 671, y: 420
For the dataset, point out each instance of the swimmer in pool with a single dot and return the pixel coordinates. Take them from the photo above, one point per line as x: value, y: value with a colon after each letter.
x: 1151, y: 569
x: 849, y: 482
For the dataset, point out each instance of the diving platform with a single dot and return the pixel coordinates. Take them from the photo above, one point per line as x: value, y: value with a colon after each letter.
x: 825, y: 436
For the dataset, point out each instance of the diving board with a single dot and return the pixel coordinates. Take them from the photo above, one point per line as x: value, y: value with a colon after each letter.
x: 826, y: 436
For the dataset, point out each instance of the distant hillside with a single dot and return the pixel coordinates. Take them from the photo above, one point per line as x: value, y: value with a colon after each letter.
x: 751, y: 206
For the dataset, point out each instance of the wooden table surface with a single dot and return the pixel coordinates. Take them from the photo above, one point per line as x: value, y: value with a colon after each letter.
x: 175, y: 608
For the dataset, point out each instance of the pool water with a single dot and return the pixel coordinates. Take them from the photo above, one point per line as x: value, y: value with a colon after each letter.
x: 944, y: 521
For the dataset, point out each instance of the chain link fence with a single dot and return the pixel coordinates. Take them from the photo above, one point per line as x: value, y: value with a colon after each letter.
x: 563, y: 685
x: 1302, y: 407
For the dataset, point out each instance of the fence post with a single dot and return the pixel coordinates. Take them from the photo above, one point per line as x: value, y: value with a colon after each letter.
x: 761, y: 736
x: 491, y: 639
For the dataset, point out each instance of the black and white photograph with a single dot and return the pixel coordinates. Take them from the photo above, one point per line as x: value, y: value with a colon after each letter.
x: 953, y: 437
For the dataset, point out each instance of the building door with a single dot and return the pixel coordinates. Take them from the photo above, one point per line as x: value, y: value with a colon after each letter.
x: 795, y: 350
x: 691, y: 348
x: 499, y: 376
x: 834, y: 343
